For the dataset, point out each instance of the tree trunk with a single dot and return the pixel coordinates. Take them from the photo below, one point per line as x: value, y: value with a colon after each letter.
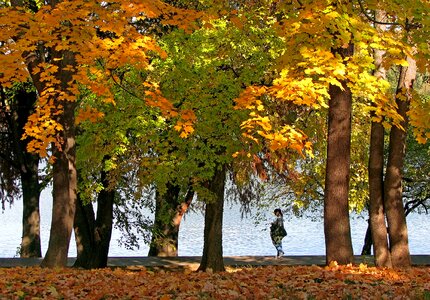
x: 367, y: 246
x: 64, y: 168
x: 377, y: 222
x: 212, y: 258
x: 64, y: 193
x: 29, y: 174
x: 169, y: 210
x: 30, y: 242
x: 376, y: 194
x: 93, y: 235
x: 336, y: 211
x: 64, y: 173
x: 397, y: 229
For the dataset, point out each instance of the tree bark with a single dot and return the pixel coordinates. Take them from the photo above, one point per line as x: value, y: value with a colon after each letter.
x: 367, y: 246
x: 28, y: 168
x: 212, y: 258
x: 169, y: 210
x: 64, y: 167
x: 30, y: 242
x: 93, y: 234
x: 376, y: 211
x: 397, y: 228
x: 64, y: 194
x: 336, y: 211
x: 377, y: 222
x: 29, y: 173
x: 64, y: 173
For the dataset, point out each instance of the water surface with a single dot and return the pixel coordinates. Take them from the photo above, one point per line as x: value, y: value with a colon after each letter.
x: 240, y: 236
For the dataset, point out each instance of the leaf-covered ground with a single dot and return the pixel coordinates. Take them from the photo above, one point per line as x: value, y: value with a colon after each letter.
x: 274, y: 282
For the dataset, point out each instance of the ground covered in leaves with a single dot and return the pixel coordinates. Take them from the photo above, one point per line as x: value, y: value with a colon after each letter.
x: 270, y: 282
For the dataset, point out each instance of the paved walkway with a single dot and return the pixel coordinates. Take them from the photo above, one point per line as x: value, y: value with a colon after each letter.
x: 182, y: 261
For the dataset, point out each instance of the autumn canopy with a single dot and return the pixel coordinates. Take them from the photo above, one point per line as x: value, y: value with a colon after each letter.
x: 180, y: 97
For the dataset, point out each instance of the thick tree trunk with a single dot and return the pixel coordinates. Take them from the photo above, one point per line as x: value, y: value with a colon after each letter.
x: 336, y: 211
x: 64, y: 168
x: 64, y: 193
x: 169, y: 210
x: 93, y: 234
x: 397, y: 229
x: 212, y: 258
x: 377, y: 222
x: 64, y: 173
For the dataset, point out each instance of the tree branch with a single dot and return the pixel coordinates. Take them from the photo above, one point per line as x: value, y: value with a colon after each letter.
x: 372, y: 19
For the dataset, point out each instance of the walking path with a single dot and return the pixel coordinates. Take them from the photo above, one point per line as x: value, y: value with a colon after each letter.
x: 182, y: 261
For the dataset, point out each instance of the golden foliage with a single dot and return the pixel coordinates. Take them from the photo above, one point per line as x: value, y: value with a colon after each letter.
x: 82, y: 40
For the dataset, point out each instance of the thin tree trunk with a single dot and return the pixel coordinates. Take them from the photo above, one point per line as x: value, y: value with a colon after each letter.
x: 367, y: 246
x: 30, y: 242
x: 212, y: 258
x: 397, y: 229
x: 169, y: 210
x: 93, y: 234
x: 376, y: 210
x: 336, y: 211
x: 376, y: 173
x: 29, y: 173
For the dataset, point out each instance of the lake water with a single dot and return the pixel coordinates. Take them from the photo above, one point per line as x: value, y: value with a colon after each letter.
x: 240, y: 236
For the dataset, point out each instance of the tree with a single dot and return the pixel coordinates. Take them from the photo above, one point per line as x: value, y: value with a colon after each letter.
x: 205, y: 71
x: 64, y: 186
x: 17, y: 164
x: 376, y: 170
x: 212, y: 258
x: 336, y: 210
x: 311, y: 75
x: 169, y: 210
x: 60, y: 52
x: 406, y: 22
x: 396, y: 219
x: 93, y: 232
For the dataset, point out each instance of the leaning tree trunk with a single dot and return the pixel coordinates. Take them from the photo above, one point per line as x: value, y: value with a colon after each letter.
x: 93, y: 234
x: 64, y: 173
x: 336, y: 211
x: 376, y: 233
x: 212, y: 258
x: 169, y: 210
x: 377, y: 224
x: 397, y: 229
x: 64, y: 193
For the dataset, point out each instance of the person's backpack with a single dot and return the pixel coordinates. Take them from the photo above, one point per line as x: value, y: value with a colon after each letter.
x: 282, y: 231
x: 278, y: 230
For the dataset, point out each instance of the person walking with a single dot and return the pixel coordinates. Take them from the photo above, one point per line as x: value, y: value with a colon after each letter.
x: 278, y: 232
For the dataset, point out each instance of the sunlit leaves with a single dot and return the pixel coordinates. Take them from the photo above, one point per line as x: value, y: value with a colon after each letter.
x: 101, y: 37
x: 203, y: 73
x: 186, y: 123
x: 308, y: 65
